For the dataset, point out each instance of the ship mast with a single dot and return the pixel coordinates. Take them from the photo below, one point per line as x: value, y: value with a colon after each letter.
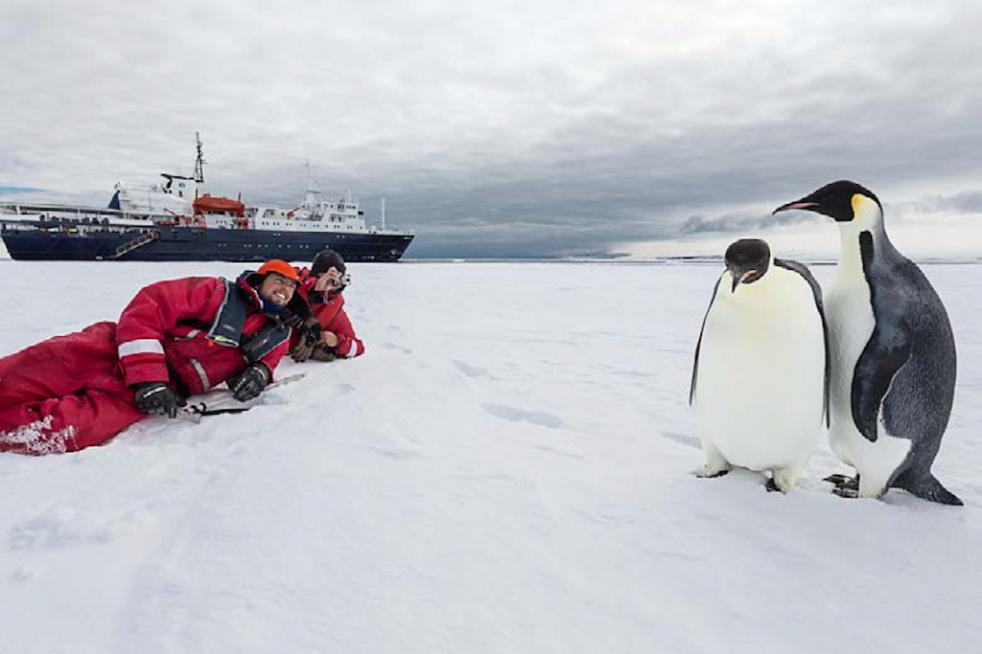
x: 199, y: 161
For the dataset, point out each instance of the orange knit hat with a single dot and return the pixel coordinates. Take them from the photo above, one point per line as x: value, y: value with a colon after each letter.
x: 279, y: 267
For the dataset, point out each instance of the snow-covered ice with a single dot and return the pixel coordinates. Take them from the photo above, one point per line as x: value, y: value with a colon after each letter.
x: 509, y: 468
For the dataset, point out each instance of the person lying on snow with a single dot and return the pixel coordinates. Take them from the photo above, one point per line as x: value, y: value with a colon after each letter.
x: 328, y: 334
x: 175, y: 338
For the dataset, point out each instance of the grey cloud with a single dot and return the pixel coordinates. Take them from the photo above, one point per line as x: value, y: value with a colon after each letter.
x: 498, y: 131
x: 742, y: 223
x: 968, y: 202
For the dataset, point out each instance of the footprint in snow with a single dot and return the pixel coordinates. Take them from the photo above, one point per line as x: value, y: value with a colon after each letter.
x: 560, y: 452
x: 471, y: 371
x: 515, y: 414
x: 390, y: 452
x: 609, y: 513
x: 67, y: 526
x: 683, y: 439
x: 398, y: 348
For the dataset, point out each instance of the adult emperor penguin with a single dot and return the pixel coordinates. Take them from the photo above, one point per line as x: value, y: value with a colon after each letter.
x: 892, y: 354
x: 760, y: 375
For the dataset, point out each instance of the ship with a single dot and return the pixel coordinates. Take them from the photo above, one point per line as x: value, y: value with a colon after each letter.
x: 175, y: 221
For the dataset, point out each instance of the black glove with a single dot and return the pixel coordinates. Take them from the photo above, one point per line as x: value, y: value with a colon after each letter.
x: 296, y: 312
x: 291, y: 319
x: 310, y: 336
x: 157, y: 398
x: 249, y: 383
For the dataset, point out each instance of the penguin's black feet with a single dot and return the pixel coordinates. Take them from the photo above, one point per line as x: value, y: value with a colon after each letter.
x: 844, y: 482
x: 771, y: 486
x: 846, y: 491
x: 720, y: 473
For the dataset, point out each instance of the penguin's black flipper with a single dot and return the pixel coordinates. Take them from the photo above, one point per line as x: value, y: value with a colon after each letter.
x: 888, y: 349
x: 695, y: 363
x: 884, y: 355
x: 802, y: 270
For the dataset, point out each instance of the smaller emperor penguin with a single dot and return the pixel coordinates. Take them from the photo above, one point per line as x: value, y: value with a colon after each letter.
x: 892, y: 354
x: 760, y: 376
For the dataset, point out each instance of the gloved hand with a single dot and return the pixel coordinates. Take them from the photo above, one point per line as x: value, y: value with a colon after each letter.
x: 249, y: 383
x: 292, y: 318
x: 310, y: 335
x: 323, y: 353
x: 296, y: 313
x: 157, y: 398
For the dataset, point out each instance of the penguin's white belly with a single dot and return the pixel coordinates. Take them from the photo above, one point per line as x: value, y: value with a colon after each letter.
x: 851, y: 321
x: 761, y: 374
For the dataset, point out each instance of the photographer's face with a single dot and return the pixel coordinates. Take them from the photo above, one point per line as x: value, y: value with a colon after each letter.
x: 277, y: 289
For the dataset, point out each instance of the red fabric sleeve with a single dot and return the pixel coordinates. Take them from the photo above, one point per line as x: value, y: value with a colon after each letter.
x: 154, y: 311
x: 349, y: 345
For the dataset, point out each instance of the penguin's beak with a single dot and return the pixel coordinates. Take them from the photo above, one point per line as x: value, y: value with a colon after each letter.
x: 803, y: 205
x: 738, y: 277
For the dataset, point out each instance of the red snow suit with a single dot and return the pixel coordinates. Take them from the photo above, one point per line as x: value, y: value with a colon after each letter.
x: 71, y: 392
x: 329, y: 310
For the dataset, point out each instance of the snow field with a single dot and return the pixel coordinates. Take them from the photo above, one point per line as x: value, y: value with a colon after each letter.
x: 509, y: 468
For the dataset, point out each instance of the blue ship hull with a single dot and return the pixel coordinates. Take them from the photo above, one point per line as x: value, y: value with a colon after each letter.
x: 40, y: 242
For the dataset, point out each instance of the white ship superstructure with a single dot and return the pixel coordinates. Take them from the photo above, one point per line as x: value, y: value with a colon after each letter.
x: 315, y: 214
x: 172, y: 197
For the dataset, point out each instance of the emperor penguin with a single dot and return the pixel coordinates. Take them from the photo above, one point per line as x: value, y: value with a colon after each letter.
x: 760, y: 375
x: 892, y: 354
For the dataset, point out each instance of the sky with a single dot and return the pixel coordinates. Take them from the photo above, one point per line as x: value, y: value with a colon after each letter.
x: 512, y: 129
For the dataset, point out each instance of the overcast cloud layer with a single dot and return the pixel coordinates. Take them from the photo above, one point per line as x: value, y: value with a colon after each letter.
x: 508, y: 128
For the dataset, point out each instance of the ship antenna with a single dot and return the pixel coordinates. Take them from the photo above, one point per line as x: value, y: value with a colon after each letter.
x: 199, y: 161
x: 383, y: 214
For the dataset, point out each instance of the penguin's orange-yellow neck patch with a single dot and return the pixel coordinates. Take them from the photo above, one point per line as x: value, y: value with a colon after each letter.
x: 862, y: 204
x: 857, y: 203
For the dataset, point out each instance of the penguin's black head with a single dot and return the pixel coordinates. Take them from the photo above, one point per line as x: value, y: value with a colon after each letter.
x: 835, y: 200
x: 747, y: 260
